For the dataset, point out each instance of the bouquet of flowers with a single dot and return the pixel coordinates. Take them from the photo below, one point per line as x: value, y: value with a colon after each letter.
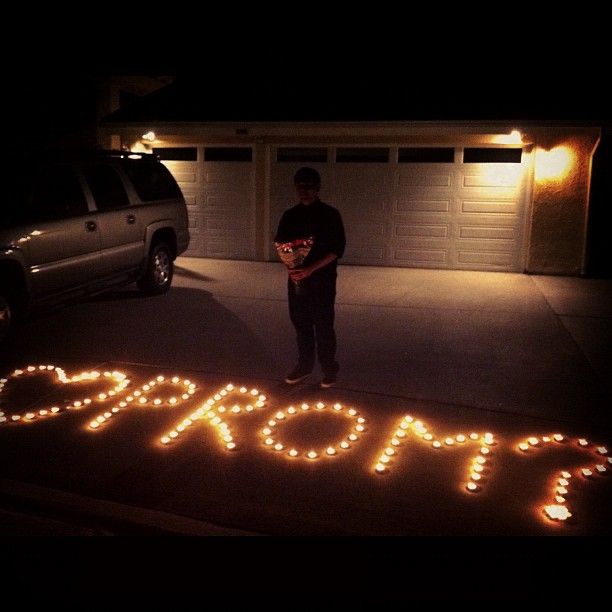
x: 293, y: 253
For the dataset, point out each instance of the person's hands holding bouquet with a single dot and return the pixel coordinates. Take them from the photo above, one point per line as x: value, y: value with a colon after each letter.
x: 293, y: 254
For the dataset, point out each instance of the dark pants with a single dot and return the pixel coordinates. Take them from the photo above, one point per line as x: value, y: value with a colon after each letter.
x: 311, y: 309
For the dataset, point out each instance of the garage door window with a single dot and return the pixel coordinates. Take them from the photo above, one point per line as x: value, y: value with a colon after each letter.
x: 476, y: 155
x: 228, y: 154
x: 360, y: 155
x: 177, y: 153
x: 301, y: 154
x: 426, y: 155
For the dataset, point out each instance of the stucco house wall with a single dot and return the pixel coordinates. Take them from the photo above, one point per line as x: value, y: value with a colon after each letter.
x: 557, y: 238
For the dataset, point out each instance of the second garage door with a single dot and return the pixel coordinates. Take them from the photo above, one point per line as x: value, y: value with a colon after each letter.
x: 436, y: 207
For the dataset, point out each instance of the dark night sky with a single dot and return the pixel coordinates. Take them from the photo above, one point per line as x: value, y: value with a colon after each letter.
x: 49, y: 98
x: 438, y: 62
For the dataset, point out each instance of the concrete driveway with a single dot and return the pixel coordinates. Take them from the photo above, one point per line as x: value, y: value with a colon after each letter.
x: 435, y: 354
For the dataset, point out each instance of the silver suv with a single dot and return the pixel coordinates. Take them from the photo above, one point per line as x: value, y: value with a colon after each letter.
x: 73, y: 227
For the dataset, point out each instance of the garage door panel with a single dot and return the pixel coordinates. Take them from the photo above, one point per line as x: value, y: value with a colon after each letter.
x: 491, y: 194
x: 368, y: 255
x: 424, y: 240
x: 367, y: 199
x: 355, y: 172
x: 225, y: 249
x: 368, y: 206
x: 226, y: 224
x: 195, y: 224
x: 220, y: 198
x: 420, y: 257
x: 485, y: 232
x: 421, y: 251
x: 241, y: 191
x: 369, y: 231
x: 420, y: 205
x: 484, y: 244
x: 364, y: 207
x: 183, y: 172
x: 218, y: 244
x: 426, y: 230
x: 228, y: 176
x: 496, y: 176
x: 185, y: 177
x: 485, y: 259
x: 493, y: 207
x: 367, y: 243
x: 356, y: 183
x: 229, y: 201
x: 422, y: 179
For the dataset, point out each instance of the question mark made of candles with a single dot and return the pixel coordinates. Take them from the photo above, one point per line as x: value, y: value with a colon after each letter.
x: 557, y: 509
x: 119, y: 379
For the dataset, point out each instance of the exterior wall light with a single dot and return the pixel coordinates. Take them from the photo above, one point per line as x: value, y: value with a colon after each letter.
x: 513, y: 138
x: 554, y: 164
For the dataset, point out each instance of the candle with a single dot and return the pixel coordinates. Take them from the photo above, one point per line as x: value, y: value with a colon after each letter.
x: 559, y: 513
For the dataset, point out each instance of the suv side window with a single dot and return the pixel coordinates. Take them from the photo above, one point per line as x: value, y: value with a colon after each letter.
x: 152, y: 180
x: 106, y: 186
x: 57, y: 195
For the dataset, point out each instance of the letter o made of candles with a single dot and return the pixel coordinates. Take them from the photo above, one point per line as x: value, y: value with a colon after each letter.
x: 271, y: 440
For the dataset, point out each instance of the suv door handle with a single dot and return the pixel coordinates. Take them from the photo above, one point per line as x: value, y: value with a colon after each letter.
x: 131, y: 219
x: 90, y: 226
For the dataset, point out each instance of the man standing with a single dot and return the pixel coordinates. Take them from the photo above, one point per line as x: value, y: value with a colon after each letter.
x: 312, y: 285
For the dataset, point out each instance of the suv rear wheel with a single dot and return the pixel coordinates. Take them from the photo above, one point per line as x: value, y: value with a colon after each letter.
x: 160, y: 268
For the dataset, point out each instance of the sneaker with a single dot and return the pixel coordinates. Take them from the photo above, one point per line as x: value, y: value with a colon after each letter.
x: 329, y: 380
x: 298, y: 374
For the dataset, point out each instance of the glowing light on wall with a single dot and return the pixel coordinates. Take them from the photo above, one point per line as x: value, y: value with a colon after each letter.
x: 148, y: 395
x: 271, y: 442
x: 554, y: 164
x: 408, y: 425
x: 120, y: 383
x: 558, y: 511
x: 210, y: 412
x: 514, y: 137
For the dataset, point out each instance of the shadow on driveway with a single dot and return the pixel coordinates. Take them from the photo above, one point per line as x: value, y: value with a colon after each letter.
x: 185, y: 328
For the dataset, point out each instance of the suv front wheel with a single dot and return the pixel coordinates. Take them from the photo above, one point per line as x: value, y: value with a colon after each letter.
x: 160, y: 268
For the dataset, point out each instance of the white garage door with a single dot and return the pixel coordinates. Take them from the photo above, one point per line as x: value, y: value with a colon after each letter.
x: 219, y: 187
x: 436, y: 207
